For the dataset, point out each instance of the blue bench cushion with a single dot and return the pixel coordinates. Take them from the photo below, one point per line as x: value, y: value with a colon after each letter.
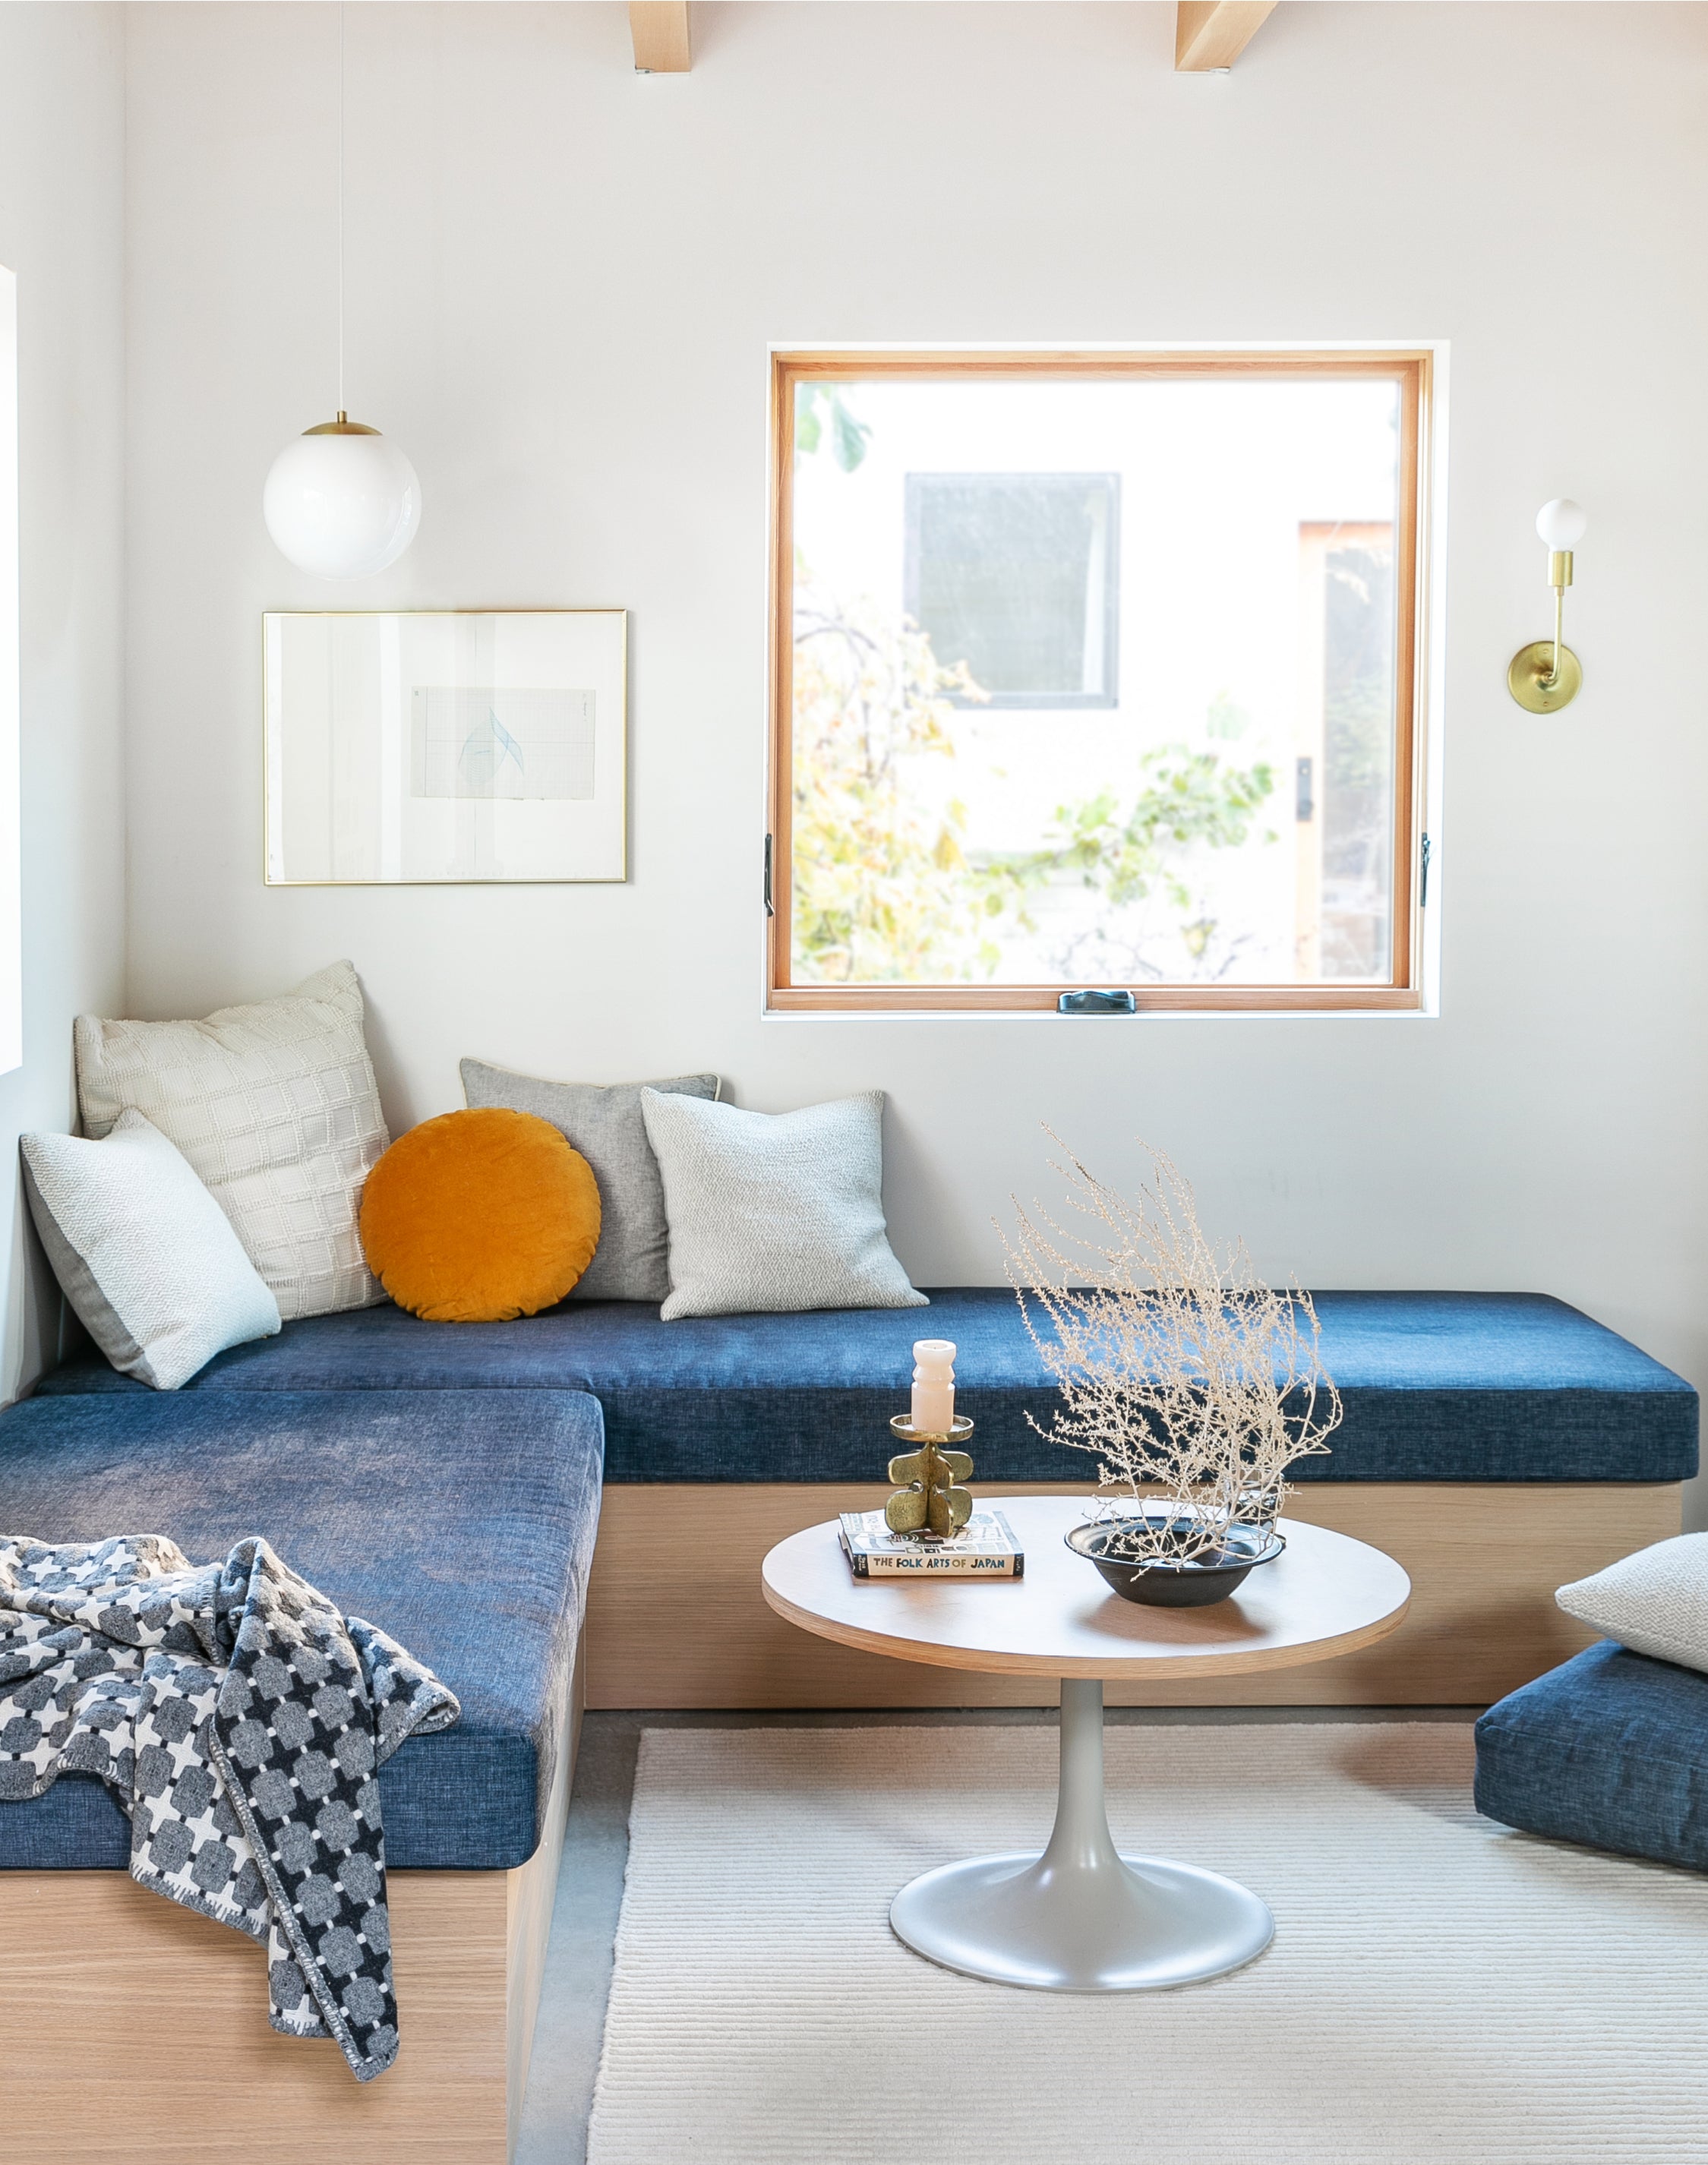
x: 1438, y: 1386
x: 461, y: 1522
x: 1611, y: 1749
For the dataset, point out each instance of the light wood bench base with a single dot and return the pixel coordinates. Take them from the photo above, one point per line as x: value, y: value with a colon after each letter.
x: 675, y: 1616
x: 130, y: 2028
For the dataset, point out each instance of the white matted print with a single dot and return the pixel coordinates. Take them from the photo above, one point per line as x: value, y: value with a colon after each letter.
x: 445, y: 745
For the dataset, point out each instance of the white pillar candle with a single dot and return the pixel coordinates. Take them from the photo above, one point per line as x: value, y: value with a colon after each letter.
x: 934, y: 1387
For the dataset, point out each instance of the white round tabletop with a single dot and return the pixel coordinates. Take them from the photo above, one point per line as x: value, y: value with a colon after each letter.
x: 1328, y: 1594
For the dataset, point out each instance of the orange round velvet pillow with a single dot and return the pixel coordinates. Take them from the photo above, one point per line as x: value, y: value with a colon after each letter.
x: 478, y: 1216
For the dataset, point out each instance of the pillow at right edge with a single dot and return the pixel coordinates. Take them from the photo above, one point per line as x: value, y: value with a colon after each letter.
x: 773, y: 1213
x: 1655, y: 1602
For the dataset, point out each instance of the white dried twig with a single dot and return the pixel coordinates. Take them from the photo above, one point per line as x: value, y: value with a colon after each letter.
x: 1189, y: 1377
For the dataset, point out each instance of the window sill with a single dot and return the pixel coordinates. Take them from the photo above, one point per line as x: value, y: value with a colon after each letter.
x: 1038, y: 1003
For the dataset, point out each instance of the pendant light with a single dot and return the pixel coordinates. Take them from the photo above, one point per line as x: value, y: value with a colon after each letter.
x: 340, y: 501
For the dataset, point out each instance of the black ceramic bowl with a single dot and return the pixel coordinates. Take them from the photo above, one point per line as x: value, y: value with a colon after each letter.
x: 1194, y: 1582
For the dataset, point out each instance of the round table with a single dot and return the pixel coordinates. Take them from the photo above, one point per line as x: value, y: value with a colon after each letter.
x: 1081, y: 1918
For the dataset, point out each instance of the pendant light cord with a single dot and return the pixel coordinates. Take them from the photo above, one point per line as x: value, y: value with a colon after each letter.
x: 340, y: 209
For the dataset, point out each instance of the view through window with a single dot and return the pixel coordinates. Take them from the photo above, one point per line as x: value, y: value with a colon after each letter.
x: 1097, y: 675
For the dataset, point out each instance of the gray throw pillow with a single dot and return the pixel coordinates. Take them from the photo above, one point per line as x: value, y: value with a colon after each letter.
x: 146, y: 1257
x: 773, y: 1212
x: 603, y: 1122
x: 1655, y: 1602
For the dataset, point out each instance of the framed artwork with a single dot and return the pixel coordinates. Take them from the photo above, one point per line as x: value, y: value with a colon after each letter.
x: 425, y: 745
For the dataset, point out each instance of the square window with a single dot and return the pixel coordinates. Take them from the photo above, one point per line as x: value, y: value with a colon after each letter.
x: 1097, y: 670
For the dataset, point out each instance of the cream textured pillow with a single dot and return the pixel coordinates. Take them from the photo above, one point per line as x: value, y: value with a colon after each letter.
x: 1655, y: 1602
x: 146, y: 1257
x: 276, y: 1108
x: 773, y: 1212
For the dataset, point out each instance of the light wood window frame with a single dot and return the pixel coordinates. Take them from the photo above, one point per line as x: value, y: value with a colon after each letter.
x: 1403, y: 988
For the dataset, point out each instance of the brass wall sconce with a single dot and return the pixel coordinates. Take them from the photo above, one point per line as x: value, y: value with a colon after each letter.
x: 1546, y: 675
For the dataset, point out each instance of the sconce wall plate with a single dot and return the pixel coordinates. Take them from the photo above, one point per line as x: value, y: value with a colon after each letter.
x: 1532, y: 681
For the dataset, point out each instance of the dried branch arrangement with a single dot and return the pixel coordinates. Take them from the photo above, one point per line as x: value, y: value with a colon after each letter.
x: 1195, y: 1385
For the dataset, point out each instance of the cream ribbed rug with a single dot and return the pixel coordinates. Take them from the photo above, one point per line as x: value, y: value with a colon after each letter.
x: 1440, y: 1991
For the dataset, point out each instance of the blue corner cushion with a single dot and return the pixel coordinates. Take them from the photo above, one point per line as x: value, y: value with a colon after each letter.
x: 461, y: 1522
x: 1611, y: 1749
x: 1438, y: 1386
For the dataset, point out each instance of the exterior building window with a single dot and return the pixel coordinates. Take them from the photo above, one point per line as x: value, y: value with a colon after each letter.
x: 1015, y: 577
x: 1097, y: 670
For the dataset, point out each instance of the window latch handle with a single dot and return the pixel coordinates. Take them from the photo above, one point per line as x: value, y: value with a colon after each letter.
x: 769, y: 910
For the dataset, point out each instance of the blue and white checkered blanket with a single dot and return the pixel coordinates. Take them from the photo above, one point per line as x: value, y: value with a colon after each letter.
x: 241, y: 1721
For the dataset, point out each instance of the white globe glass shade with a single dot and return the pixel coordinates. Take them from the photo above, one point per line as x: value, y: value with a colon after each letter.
x: 1561, y: 523
x: 342, y: 505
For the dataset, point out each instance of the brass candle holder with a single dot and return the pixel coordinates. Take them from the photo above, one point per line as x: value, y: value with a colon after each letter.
x: 927, y: 1500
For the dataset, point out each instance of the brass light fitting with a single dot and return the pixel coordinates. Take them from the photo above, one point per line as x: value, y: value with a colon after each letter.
x: 1546, y: 675
x: 343, y: 426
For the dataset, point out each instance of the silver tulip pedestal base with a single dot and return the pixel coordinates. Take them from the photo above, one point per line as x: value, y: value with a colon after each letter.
x: 1081, y: 1918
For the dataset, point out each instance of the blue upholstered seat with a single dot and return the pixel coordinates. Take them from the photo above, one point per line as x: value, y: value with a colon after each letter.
x: 461, y: 1522
x: 442, y: 1479
x: 1438, y: 1386
x: 1611, y: 1749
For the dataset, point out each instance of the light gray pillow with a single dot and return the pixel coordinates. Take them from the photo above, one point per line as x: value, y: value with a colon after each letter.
x: 146, y: 1257
x: 1655, y: 1602
x: 602, y: 1121
x: 773, y: 1212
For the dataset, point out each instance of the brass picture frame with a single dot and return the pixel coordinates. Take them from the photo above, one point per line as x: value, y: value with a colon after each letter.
x: 444, y: 747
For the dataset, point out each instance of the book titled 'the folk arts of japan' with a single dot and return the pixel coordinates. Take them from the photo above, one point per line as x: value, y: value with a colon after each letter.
x: 985, y: 1547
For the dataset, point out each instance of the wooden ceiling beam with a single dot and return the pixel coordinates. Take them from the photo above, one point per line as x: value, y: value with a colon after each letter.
x: 1213, y: 33
x: 659, y: 28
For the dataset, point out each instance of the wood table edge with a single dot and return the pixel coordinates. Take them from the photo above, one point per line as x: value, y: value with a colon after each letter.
x: 1298, y: 1654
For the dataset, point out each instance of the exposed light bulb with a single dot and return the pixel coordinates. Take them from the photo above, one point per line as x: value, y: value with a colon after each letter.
x: 1561, y: 523
x: 341, y: 502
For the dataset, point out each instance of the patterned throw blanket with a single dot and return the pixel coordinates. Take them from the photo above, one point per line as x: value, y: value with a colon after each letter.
x: 241, y: 1722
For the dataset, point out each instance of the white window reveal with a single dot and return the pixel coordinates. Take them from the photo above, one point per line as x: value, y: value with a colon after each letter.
x: 11, y: 943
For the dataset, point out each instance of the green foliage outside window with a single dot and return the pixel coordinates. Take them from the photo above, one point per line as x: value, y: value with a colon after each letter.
x: 818, y: 406
x: 884, y: 890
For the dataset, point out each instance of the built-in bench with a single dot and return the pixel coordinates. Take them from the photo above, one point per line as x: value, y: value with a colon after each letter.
x: 462, y: 1522
x: 443, y: 1480
x: 1498, y: 1444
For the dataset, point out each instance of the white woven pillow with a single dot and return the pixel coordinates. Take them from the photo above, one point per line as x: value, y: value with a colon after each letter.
x: 276, y: 1108
x: 770, y: 1213
x: 146, y: 1257
x: 1655, y: 1602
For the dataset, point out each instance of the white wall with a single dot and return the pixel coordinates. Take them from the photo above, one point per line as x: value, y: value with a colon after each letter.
x: 563, y: 280
x: 61, y: 231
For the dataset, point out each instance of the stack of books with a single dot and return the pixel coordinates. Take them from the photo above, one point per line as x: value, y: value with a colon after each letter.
x: 985, y: 1547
